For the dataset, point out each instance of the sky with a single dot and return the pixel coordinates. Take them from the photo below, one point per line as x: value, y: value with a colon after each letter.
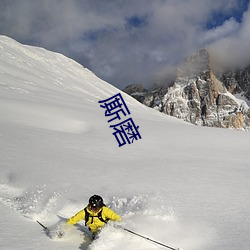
x: 132, y: 41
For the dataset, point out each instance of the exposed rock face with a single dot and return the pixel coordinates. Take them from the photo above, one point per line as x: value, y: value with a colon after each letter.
x: 199, y: 97
x: 137, y: 91
x: 237, y: 81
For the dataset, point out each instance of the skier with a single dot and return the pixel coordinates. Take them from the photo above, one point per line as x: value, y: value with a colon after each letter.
x: 95, y: 214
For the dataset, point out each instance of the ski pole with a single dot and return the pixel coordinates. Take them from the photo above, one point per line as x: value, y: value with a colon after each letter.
x: 146, y: 238
x: 45, y: 228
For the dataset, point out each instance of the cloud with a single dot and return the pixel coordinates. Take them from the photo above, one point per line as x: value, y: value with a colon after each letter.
x: 125, y: 42
x: 228, y: 28
x: 233, y: 49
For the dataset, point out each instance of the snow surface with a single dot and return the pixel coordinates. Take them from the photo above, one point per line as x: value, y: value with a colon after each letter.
x: 182, y: 185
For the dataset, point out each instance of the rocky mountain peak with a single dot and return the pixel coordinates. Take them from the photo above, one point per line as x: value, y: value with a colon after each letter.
x: 200, y: 96
x: 196, y: 64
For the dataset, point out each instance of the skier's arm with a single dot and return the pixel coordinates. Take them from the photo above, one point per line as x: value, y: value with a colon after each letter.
x: 77, y: 217
x: 110, y: 214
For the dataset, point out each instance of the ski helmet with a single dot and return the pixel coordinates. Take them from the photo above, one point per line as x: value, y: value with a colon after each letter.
x: 95, y: 202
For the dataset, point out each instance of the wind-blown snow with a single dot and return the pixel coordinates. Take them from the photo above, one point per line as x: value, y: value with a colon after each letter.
x: 182, y: 185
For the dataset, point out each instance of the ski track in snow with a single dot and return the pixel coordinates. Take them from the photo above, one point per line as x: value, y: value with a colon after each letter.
x: 145, y: 214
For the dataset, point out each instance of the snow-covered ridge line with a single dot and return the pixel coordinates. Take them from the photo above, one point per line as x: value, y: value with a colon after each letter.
x: 62, y: 72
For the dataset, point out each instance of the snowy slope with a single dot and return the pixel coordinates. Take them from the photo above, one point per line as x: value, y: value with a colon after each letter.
x: 182, y: 185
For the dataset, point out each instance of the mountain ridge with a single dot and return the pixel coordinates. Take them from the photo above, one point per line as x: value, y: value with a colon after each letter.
x: 201, y: 95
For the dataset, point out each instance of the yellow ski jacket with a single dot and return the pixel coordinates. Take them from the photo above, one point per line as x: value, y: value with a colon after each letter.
x: 94, y: 223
